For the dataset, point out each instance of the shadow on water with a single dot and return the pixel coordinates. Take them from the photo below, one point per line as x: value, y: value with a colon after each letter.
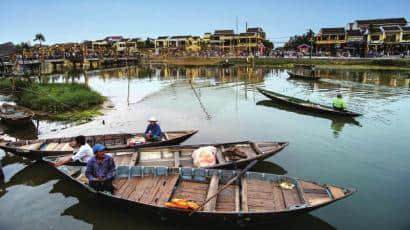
x: 28, y: 132
x: 269, y: 167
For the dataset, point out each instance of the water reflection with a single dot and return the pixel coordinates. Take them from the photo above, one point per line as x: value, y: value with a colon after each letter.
x: 373, y: 77
x: 269, y: 167
x: 337, y: 122
x: 27, y: 132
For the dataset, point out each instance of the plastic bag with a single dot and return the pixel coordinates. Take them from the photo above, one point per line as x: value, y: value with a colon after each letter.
x: 204, y: 156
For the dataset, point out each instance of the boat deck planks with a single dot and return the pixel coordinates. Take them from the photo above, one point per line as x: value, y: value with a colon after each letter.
x: 260, y: 199
x: 291, y: 197
x: 314, y: 193
x: 226, y: 200
x: 191, y: 190
x: 336, y: 192
x: 213, y: 188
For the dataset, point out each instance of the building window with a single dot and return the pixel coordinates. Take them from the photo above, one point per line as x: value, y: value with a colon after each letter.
x: 333, y: 37
x: 375, y: 37
x: 341, y: 37
x: 406, y: 36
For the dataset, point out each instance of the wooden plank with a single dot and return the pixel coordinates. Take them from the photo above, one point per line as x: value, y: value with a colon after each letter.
x: 166, y: 192
x: 213, y: 188
x: 336, y: 192
x: 130, y: 187
x: 140, y: 189
x: 153, y: 189
x: 176, y: 158
x: 245, y: 206
x: 34, y: 146
x: 134, y: 159
x: 278, y: 199
x: 220, y: 157
x: 291, y: 197
x: 237, y: 199
x: 119, y: 182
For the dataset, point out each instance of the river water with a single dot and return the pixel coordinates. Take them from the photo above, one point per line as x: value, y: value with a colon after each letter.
x: 369, y: 153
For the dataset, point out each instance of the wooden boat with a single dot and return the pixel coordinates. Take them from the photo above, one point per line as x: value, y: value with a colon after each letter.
x: 15, y: 115
x: 36, y: 149
x: 302, y: 111
x: 256, y: 198
x: 180, y: 155
x: 306, y: 105
x: 302, y: 76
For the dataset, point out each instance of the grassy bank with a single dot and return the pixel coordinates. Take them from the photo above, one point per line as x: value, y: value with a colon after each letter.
x: 392, y: 64
x: 59, y: 101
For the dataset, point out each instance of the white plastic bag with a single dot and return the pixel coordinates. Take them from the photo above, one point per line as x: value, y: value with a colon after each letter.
x: 204, y: 156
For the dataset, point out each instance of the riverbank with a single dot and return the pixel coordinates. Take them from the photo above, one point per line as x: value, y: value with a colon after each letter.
x: 330, y: 63
x: 54, y: 101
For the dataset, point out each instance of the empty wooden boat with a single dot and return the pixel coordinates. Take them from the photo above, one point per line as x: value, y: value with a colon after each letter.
x: 181, y: 155
x: 15, y: 115
x: 255, y: 198
x: 302, y: 76
x: 306, y: 105
x: 36, y: 149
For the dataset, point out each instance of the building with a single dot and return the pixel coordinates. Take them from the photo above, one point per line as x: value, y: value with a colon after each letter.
x: 364, y: 38
x: 331, y: 41
x: 304, y: 48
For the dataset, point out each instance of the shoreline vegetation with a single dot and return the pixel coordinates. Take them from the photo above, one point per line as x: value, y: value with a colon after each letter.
x: 71, y: 102
x: 340, y: 63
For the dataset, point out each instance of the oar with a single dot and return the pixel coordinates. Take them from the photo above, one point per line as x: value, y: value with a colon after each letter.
x: 233, y: 179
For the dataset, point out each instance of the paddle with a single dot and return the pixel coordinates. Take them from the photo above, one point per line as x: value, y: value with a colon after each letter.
x: 233, y: 179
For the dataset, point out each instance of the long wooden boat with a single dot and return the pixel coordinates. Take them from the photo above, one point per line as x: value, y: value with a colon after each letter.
x: 181, y: 155
x: 306, y: 105
x: 299, y: 110
x: 36, y: 149
x: 256, y: 198
x: 302, y: 76
x: 15, y: 115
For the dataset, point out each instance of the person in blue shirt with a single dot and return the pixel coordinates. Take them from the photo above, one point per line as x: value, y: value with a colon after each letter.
x: 100, y: 170
x: 153, y: 131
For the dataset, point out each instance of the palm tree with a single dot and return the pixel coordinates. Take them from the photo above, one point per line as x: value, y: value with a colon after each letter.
x: 39, y: 37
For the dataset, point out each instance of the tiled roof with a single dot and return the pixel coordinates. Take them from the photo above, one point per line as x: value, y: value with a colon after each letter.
x: 405, y: 28
x: 181, y: 36
x: 354, y: 33
x: 224, y: 32
x: 254, y: 29
x: 391, y: 28
x: 334, y: 30
x: 382, y: 21
x: 247, y: 34
x: 7, y: 49
x: 162, y: 37
x: 376, y: 30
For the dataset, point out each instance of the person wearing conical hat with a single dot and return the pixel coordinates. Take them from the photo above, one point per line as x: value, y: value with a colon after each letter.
x: 153, y: 131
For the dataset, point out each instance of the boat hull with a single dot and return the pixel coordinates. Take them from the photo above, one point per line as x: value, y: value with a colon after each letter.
x: 39, y: 154
x: 282, y: 100
x: 303, y: 77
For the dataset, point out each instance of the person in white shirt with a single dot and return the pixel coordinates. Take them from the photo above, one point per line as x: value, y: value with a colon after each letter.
x: 81, y: 156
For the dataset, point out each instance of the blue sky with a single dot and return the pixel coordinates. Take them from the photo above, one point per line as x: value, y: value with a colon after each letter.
x: 75, y: 20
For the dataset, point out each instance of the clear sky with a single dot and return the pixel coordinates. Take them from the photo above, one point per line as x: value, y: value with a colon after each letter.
x: 78, y: 20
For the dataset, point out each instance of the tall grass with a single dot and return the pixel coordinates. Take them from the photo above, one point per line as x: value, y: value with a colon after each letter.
x: 52, y: 98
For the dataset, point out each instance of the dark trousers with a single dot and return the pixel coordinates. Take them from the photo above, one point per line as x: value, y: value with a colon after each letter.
x: 105, y: 185
x: 340, y: 109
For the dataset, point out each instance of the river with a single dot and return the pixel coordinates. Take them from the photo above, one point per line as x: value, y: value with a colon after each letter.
x: 369, y: 153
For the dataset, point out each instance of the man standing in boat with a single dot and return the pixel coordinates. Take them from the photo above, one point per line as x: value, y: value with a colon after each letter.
x: 339, y: 103
x: 101, y: 170
x: 153, y: 131
x: 82, y: 156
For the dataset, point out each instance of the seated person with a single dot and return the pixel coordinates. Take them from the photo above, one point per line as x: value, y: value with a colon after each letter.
x: 153, y: 131
x: 82, y: 156
x: 339, y: 103
x: 101, y: 170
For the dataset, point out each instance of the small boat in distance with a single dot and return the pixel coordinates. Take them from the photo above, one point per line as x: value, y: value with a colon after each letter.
x: 255, y: 198
x: 228, y: 155
x: 303, y: 72
x: 36, y: 149
x: 301, y: 76
x: 307, y: 105
x: 15, y: 115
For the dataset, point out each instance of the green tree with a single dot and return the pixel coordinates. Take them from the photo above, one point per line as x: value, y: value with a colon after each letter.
x: 149, y: 43
x: 297, y: 40
x: 39, y: 37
